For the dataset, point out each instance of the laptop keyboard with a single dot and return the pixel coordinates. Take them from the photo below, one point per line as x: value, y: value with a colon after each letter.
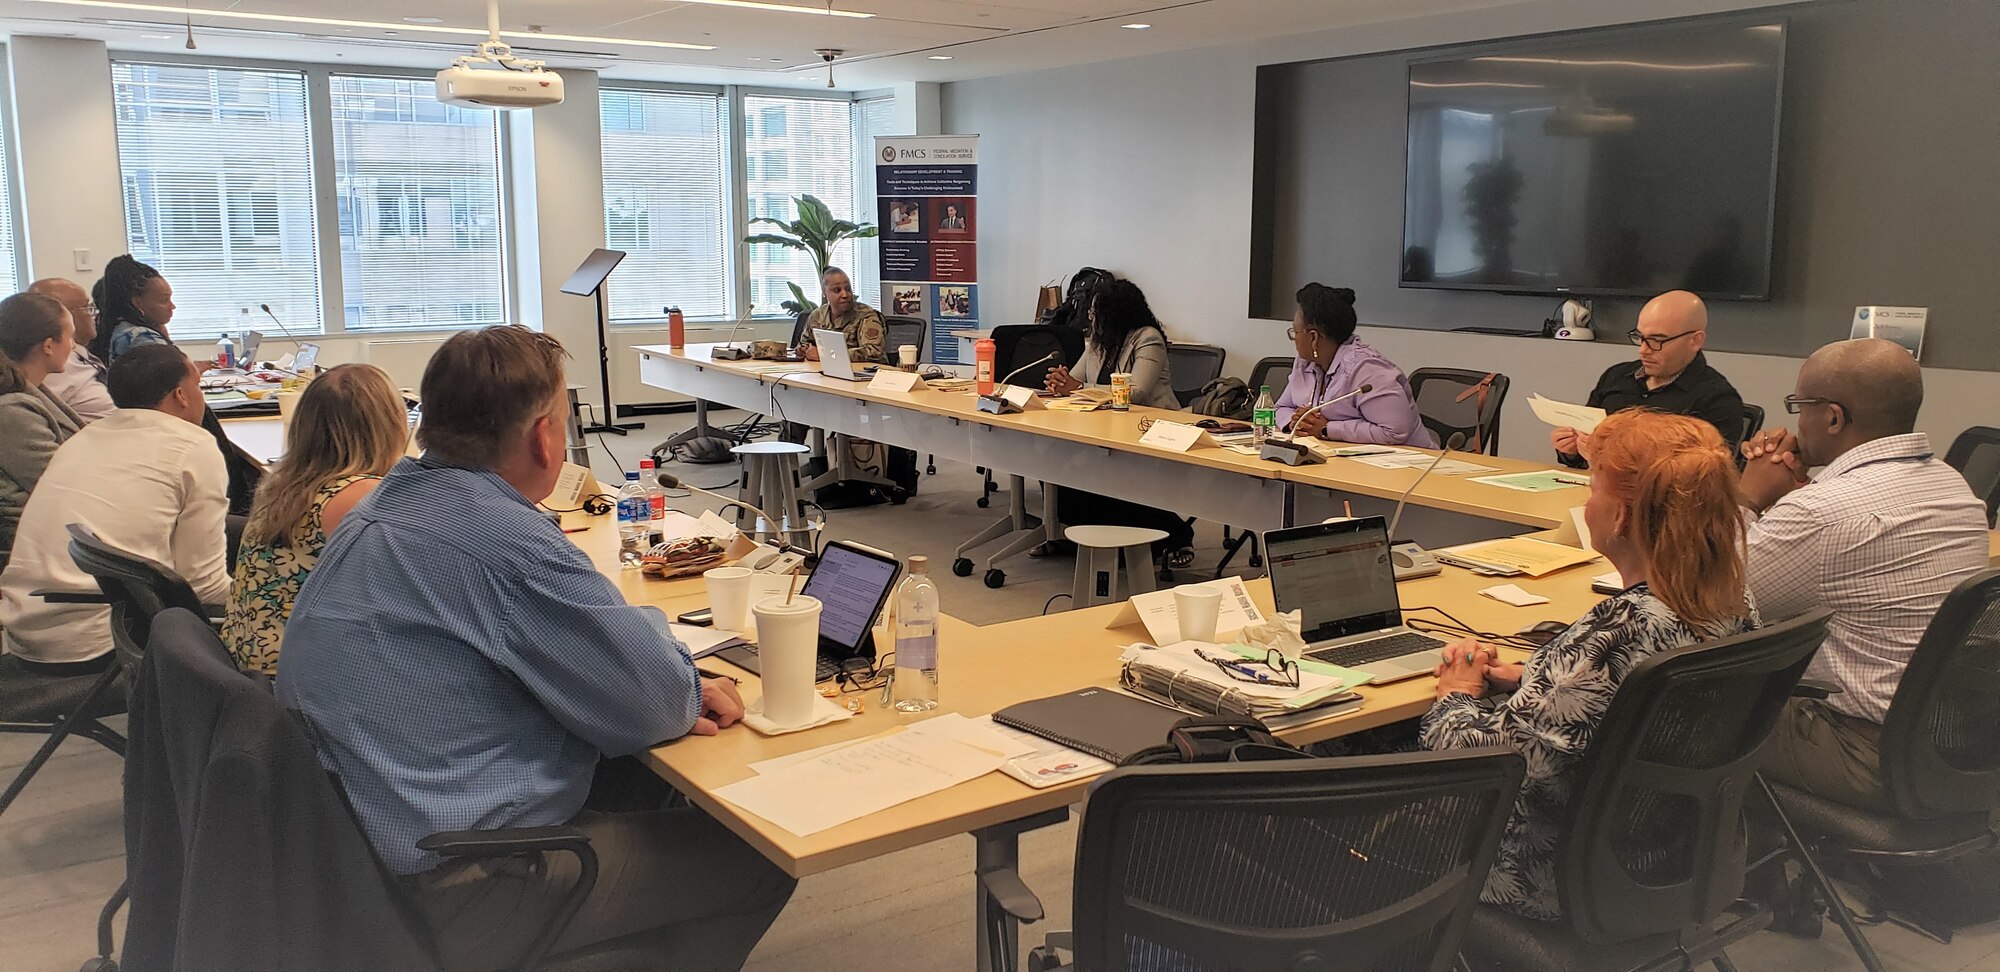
x: 1361, y: 653
x: 824, y: 669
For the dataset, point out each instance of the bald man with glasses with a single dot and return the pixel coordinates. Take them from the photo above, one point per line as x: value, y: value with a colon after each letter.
x: 1672, y: 376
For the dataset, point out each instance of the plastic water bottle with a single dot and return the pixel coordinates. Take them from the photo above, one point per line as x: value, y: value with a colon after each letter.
x: 915, y: 685
x: 656, y: 497
x: 243, y: 330
x: 1264, y: 417
x: 225, y: 353
x: 635, y: 513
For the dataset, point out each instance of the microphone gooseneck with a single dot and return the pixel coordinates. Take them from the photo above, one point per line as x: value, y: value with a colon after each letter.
x: 670, y: 481
x: 1292, y: 433
x: 1456, y: 442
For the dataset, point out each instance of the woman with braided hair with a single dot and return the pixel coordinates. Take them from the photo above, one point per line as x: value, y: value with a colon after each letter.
x: 134, y: 305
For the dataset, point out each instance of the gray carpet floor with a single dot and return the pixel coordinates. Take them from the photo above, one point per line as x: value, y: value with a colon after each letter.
x: 61, y: 850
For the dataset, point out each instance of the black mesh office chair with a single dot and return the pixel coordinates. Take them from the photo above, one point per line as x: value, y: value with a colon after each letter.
x: 1976, y: 455
x: 1192, y: 367
x: 1368, y: 863
x: 345, y: 909
x: 799, y: 329
x: 1651, y: 863
x: 1940, y: 761
x: 1454, y: 400
x: 1273, y: 373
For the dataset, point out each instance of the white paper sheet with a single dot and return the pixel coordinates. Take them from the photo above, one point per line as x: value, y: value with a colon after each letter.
x: 1157, y: 611
x: 702, y: 642
x: 1582, y: 528
x: 1513, y: 594
x: 852, y: 782
x: 1582, y: 418
x: 1411, y: 459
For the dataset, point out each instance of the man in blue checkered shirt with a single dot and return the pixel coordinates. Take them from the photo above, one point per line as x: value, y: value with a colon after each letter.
x: 462, y: 665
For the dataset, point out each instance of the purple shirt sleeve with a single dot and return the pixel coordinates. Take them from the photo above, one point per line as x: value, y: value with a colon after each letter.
x: 1386, y: 415
x: 1297, y: 393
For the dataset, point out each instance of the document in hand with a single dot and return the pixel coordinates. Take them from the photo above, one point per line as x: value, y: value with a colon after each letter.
x: 1583, y: 418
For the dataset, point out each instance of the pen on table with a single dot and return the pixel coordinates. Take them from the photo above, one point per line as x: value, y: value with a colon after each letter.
x: 1566, y: 481
x: 581, y: 529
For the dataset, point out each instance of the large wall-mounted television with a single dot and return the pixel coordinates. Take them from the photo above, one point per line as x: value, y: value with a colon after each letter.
x: 1606, y: 163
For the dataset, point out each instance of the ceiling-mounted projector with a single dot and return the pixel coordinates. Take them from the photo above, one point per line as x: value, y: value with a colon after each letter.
x: 495, y: 78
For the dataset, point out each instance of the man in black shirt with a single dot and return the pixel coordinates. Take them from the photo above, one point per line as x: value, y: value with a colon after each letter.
x: 1672, y: 376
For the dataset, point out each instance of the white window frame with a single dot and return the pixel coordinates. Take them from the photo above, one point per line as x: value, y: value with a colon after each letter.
x: 11, y: 170
x: 326, y: 201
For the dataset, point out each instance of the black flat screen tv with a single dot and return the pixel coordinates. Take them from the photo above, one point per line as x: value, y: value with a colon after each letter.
x: 1621, y: 162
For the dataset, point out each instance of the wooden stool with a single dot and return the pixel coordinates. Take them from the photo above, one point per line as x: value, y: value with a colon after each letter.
x: 771, y: 483
x: 1097, y: 554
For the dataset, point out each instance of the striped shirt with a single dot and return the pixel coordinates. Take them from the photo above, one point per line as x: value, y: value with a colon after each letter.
x: 1880, y: 537
x: 461, y: 664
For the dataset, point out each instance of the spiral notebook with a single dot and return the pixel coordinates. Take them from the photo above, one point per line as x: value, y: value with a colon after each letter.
x: 1105, y: 723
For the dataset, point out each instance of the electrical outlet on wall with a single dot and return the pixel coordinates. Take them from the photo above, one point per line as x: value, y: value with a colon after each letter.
x: 83, y: 261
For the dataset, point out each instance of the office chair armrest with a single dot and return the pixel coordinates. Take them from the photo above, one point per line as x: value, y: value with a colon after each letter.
x: 483, y: 844
x: 1003, y: 885
x: 1814, y: 688
x: 216, y: 613
x: 70, y: 597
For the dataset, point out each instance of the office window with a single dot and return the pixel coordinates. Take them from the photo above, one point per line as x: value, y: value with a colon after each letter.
x: 872, y: 117
x: 794, y: 145
x: 10, y: 265
x: 666, y: 184
x: 421, y: 234
x: 218, y: 191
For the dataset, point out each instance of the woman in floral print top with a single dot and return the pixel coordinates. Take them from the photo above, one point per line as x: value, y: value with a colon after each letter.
x: 1663, y: 509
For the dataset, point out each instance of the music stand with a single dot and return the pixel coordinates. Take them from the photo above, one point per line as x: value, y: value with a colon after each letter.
x: 589, y: 280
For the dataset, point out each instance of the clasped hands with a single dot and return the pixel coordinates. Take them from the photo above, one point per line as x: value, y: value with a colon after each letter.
x: 1473, y: 667
x: 1060, y: 381
x: 1772, y: 468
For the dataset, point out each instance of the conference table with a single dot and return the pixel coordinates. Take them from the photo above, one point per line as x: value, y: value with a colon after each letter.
x: 1071, y: 449
x: 984, y: 668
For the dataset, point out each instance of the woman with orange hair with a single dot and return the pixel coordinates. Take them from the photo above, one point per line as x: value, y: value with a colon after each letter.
x: 1663, y: 509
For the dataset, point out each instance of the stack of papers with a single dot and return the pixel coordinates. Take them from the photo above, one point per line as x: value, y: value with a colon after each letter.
x: 812, y: 791
x: 1161, y: 616
x: 1546, y: 481
x: 1514, y: 555
x: 1583, y: 418
x: 1181, y: 664
x: 702, y: 642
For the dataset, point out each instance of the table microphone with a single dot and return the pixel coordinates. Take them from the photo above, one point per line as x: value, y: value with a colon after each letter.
x: 997, y: 402
x: 671, y: 481
x: 1456, y: 442
x: 1289, y: 451
x: 282, y: 329
x: 727, y: 351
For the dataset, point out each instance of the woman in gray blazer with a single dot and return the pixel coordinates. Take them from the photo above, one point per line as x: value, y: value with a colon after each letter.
x: 36, y: 335
x: 1123, y: 336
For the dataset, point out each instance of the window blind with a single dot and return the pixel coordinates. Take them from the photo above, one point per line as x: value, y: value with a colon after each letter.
x: 218, y: 191
x: 792, y: 146
x: 418, y: 182
x: 665, y: 188
x: 872, y: 117
x: 10, y: 257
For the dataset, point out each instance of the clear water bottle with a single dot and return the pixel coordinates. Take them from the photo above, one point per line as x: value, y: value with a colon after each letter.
x: 915, y: 685
x: 225, y: 353
x: 656, y: 497
x: 635, y: 514
x: 1264, y: 417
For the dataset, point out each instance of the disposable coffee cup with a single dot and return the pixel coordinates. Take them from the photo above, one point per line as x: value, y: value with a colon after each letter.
x: 729, y: 597
x: 906, y: 356
x: 787, y: 652
x: 1197, y: 608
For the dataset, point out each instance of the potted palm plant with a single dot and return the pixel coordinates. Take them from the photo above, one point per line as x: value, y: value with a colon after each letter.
x: 815, y: 231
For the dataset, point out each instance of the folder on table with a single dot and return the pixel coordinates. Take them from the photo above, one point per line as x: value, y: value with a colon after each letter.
x: 1102, y: 722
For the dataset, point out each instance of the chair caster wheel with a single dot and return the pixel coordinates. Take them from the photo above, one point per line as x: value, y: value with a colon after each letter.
x: 898, y: 495
x: 962, y: 567
x: 983, y: 502
x: 996, y: 577
x: 100, y: 964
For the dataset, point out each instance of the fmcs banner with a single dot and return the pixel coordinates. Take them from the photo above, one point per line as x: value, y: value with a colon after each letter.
x: 926, y: 197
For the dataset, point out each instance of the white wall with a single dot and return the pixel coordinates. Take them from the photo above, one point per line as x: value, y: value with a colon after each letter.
x: 65, y: 155
x: 1144, y: 165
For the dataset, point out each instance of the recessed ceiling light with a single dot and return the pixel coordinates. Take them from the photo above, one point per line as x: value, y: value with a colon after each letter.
x: 940, y: 57
x: 1135, y: 26
x: 179, y: 12
x: 423, y: 20
x: 156, y: 36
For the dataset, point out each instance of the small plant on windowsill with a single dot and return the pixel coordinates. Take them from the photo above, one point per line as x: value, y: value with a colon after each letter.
x: 815, y: 231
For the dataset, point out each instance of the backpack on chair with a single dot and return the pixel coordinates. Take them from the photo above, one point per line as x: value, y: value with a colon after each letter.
x: 1217, y: 739
x: 1074, y: 311
x: 1224, y: 398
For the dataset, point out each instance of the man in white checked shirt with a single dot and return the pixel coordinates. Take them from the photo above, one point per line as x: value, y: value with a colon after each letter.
x: 1880, y: 536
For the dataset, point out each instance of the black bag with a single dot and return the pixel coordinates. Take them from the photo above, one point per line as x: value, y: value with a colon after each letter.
x: 1954, y: 894
x: 1226, y: 398
x: 1074, y: 311
x: 1217, y: 739
x: 899, y: 466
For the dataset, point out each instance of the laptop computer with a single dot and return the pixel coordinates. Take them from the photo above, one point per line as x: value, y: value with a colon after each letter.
x: 834, y: 359
x: 1340, y: 578
x: 852, y: 583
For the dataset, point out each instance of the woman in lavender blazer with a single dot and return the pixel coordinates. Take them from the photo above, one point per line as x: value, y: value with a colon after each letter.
x: 1333, y: 362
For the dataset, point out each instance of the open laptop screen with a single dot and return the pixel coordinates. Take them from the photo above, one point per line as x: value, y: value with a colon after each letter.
x: 1336, y: 575
x: 851, y: 582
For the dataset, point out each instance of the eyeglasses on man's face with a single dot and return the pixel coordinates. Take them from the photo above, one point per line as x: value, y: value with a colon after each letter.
x: 1793, y: 403
x: 1655, y: 342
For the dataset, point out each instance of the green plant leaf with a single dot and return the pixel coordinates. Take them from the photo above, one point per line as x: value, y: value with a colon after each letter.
x: 865, y: 232
x: 771, y: 238
x: 799, y: 304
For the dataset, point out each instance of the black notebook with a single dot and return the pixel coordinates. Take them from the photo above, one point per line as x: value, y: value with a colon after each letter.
x: 1105, y: 723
